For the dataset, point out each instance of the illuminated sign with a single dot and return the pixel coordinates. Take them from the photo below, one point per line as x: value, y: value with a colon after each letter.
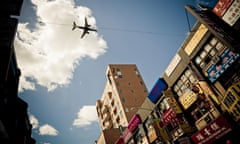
x: 173, y: 64
x: 215, y: 71
x: 197, y: 37
x: 212, y: 132
x: 187, y: 99
x: 157, y: 90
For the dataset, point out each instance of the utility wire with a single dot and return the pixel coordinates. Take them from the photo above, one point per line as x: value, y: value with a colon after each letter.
x: 119, y: 29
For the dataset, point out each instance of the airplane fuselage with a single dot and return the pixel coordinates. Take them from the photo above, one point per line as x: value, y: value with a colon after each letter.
x: 86, y: 28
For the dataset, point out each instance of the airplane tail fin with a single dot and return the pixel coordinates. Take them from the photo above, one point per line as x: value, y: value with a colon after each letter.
x: 74, y: 26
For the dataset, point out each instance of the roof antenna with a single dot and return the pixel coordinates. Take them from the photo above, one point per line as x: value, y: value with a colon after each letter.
x: 189, y: 27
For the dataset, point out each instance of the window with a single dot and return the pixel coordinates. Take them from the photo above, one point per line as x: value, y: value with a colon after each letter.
x: 213, y: 41
x: 210, y: 50
x: 115, y: 111
x: 137, y: 73
x: 118, y: 119
x: 112, y: 103
x: 184, y: 82
x: 123, y: 100
x: 207, y: 48
x: 119, y: 73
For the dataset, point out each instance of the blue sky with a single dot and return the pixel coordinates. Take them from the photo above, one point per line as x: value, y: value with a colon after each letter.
x: 63, y: 75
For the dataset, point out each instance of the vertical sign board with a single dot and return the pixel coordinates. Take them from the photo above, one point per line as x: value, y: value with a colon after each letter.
x: 157, y: 90
x: 133, y: 124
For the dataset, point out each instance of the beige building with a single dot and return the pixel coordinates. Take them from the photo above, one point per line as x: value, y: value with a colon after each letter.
x: 124, y: 90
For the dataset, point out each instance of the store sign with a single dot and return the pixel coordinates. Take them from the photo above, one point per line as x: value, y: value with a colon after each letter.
x: 215, y: 71
x: 233, y: 13
x: 126, y: 135
x: 152, y: 135
x: 221, y: 7
x: 173, y: 64
x: 157, y: 90
x: 212, y: 132
x: 134, y: 122
x: 187, y: 99
x: 169, y: 116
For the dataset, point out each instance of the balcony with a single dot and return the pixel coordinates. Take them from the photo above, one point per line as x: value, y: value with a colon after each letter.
x: 99, y: 104
x: 105, y: 109
x: 106, y: 116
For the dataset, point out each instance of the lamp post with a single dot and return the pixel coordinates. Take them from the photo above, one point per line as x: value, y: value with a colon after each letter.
x: 147, y: 109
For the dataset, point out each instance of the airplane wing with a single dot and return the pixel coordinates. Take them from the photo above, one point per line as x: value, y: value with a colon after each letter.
x: 86, y: 23
x: 84, y: 32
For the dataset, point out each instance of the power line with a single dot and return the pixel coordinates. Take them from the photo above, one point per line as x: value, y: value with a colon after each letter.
x: 118, y: 29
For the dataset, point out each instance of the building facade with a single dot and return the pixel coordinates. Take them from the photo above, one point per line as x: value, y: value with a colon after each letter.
x: 124, y: 91
x: 15, y: 127
x: 197, y: 98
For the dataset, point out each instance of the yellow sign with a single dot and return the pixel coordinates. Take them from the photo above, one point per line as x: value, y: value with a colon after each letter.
x: 187, y: 99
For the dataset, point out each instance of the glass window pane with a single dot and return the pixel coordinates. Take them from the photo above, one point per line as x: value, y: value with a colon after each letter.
x: 203, y: 54
x: 175, y: 88
x: 219, y: 46
x: 213, y: 41
x: 192, y: 79
x: 179, y: 83
x: 213, y: 52
x: 188, y: 73
x: 198, y: 60
x: 202, y: 64
x: 183, y: 78
x: 207, y: 48
x: 179, y: 93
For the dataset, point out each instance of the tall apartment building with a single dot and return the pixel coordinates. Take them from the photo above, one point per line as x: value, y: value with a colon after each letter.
x: 124, y: 91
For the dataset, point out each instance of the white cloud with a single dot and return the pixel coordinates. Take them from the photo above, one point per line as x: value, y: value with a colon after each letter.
x: 48, y: 54
x: 48, y: 130
x: 86, y: 116
x: 34, y: 121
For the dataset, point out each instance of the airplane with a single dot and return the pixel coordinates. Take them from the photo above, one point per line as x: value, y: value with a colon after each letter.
x: 86, y: 28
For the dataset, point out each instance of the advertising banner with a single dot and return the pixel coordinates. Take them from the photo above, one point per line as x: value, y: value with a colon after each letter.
x: 157, y: 90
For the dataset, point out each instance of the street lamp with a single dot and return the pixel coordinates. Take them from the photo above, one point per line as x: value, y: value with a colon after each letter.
x: 134, y: 108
